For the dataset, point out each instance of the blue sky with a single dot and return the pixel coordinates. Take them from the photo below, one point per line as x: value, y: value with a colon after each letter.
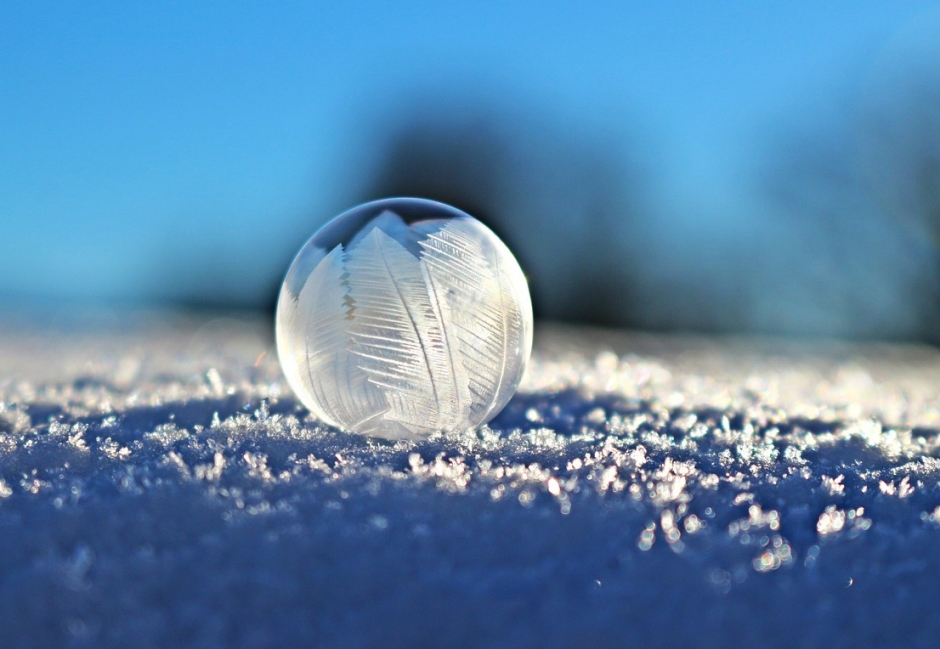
x: 141, y: 139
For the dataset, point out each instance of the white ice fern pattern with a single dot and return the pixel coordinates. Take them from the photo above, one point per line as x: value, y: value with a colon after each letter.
x: 396, y: 342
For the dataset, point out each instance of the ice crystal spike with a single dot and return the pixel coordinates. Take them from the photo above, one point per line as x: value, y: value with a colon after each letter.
x: 403, y: 317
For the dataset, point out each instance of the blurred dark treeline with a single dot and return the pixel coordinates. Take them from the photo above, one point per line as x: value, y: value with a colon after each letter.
x: 837, y: 235
x: 842, y: 240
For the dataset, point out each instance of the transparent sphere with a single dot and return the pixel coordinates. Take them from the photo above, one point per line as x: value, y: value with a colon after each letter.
x: 403, y: 317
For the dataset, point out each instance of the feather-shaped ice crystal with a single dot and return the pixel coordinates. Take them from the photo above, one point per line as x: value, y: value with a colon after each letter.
x: 404, y: 317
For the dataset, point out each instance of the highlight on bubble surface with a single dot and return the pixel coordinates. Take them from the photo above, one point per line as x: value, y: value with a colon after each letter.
x: 404, y: 317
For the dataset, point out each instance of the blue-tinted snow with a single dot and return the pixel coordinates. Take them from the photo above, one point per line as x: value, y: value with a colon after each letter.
x: 161, y: 488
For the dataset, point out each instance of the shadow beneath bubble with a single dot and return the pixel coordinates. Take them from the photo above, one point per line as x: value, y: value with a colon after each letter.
x: 565, y: 412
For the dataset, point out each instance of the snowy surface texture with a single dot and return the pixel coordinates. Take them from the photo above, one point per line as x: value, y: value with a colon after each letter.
x: 162, y: 488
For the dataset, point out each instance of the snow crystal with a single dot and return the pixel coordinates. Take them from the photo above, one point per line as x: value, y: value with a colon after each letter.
x: 160, y: 486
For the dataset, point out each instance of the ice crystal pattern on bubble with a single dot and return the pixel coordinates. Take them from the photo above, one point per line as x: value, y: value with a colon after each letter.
x: 407, y: 330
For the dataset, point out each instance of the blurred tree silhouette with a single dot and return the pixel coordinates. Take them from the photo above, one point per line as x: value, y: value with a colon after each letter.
x: 900, y: 146
x: 563, y: 203
x: 835, y: 264
x: 859, y: 219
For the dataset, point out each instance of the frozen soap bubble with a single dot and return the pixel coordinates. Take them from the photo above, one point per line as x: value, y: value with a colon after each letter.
x: 403, y: 317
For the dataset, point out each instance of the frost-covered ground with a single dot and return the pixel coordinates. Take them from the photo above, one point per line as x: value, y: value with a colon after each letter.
x: 161, y: 488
